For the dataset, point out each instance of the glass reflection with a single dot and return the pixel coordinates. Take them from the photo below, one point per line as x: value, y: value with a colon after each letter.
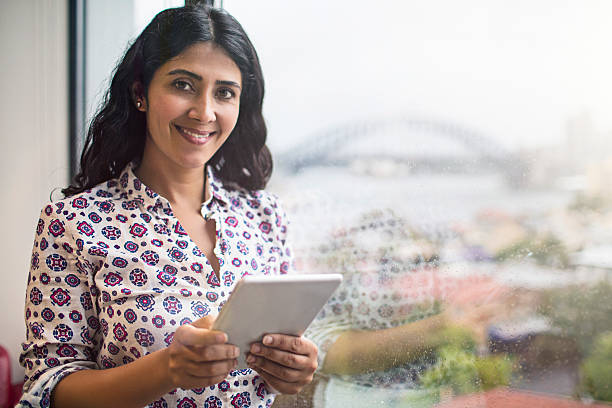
x: 460, y: 283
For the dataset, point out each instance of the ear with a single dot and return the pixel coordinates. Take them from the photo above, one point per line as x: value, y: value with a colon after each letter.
x: 138, y: 96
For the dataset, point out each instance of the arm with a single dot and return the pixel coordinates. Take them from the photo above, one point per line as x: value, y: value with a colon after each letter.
x: 62, y: 324
x: 362, y: 351
x: 197, y: 357
x: 63, y: 336
x: 376, y: 350
x: 116, y: 387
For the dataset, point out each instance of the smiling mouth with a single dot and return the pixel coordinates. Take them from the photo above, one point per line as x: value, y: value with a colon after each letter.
x: 195, y: 136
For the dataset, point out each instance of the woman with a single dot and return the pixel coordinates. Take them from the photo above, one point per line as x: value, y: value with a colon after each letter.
x: 378, y: 333
x: 167, y: 213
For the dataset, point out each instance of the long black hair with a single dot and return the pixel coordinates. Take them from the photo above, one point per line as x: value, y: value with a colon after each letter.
x: 118, y: 131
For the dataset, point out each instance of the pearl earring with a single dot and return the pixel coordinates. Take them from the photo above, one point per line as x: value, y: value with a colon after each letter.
x: 138, y: 104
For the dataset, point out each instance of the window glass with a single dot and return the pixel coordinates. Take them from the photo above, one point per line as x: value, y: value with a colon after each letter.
x: 110, y: 26
x: 452, y: 160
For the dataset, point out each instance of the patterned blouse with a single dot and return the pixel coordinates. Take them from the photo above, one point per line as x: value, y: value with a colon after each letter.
x: 113, y: 274
x: 386, y: 284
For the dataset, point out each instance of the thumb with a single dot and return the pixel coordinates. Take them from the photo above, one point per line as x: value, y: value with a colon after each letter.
x: 205, y: 322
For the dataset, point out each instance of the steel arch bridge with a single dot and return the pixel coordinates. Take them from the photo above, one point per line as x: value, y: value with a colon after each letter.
x: 322, y: 148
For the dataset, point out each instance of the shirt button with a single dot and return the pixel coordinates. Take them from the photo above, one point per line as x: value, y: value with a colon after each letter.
x: 205, y: 213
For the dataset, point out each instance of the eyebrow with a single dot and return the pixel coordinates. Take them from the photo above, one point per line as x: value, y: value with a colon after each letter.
x: 199, y: 78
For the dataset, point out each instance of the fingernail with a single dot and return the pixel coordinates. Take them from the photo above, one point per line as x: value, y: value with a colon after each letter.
x: 250, y: 359
x: 221, y: 338
x: 267, y: 340
x: 255, y: 348
x: 236, y: 352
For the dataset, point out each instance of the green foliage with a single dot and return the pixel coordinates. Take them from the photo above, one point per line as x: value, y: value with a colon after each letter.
x: 597, y: 369
x: 456, y: 336
x: 494, y: 371
x: 580, y: 312
x: 455, y: 368
x: 466, y: 373
x: 547, y: 250
x: 458, y: 367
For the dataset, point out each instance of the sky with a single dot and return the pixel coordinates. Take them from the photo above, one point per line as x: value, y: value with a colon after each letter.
x: 515, y: 71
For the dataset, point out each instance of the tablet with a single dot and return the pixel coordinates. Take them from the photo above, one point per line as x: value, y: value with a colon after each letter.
x: 284, y: 304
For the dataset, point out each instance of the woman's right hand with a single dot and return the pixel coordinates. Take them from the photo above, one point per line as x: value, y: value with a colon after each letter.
x: 200, y: 357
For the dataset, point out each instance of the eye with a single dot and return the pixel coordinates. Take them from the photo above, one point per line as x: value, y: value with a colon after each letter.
x: 226, y: 93
x: 182, y: 85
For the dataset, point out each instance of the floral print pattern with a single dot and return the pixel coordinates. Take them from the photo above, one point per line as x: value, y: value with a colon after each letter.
x: 113, y: 274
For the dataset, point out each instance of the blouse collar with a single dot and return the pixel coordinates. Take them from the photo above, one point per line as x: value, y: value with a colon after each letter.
x: 132, y: 189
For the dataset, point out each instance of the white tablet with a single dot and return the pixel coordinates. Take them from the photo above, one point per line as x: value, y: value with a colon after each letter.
x: 284, y: 304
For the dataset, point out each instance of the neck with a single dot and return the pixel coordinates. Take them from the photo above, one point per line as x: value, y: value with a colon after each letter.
x: 183, y: 188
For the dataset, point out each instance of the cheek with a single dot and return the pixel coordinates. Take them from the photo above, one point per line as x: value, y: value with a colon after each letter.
x: 165, y: 109
x: 230, y: 118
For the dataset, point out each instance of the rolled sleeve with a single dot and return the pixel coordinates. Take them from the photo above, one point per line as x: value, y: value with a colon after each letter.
x: 61, y: 320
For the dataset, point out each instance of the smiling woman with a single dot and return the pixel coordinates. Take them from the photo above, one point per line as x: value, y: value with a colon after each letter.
x: 117, y: 135
x: 191, y: 108
x: 166, y: 214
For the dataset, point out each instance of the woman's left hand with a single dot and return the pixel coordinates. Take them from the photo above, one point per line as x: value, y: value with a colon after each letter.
x: 287, y: 363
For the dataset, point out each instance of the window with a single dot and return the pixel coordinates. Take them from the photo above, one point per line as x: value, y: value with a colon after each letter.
x: 100, y: 34
x: 452, y: 160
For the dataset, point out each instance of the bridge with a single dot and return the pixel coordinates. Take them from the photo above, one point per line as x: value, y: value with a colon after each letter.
x: 335, y: 147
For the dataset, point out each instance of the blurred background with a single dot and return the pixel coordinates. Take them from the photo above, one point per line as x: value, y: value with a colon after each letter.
x: 443, y: 155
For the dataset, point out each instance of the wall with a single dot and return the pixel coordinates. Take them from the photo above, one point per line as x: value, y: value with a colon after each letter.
x: 33, y: 142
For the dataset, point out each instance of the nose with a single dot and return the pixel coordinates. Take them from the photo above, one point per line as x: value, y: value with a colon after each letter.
x: 203, y: 109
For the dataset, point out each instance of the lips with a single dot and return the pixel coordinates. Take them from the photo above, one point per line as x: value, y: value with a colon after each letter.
x: 198, y: 137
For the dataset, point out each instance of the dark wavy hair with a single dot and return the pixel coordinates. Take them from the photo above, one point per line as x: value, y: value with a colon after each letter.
x: 117, y: 133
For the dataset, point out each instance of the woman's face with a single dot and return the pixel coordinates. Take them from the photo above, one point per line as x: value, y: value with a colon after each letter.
x: 192, y: 107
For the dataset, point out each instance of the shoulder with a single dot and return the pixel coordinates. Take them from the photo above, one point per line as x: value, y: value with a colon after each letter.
x: 238, y: 196
x: 259, y: 210
x: 86, y: 205
x: 259, y: 203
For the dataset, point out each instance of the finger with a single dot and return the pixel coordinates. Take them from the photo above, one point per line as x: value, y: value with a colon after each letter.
x: 293, y: 344
x: 280, y: 372
x: 190, y: 335
x: 285, y: 358
x: 211, y: 368
x: 182, y: 355
x: 277, y: 384
x: 205, y: 322
x: 215, y: 352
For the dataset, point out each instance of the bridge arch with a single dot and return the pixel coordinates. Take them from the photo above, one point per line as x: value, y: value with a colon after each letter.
x: 321, y: 148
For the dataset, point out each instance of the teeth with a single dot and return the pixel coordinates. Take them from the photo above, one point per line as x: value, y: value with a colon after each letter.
x: 196, y: 135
